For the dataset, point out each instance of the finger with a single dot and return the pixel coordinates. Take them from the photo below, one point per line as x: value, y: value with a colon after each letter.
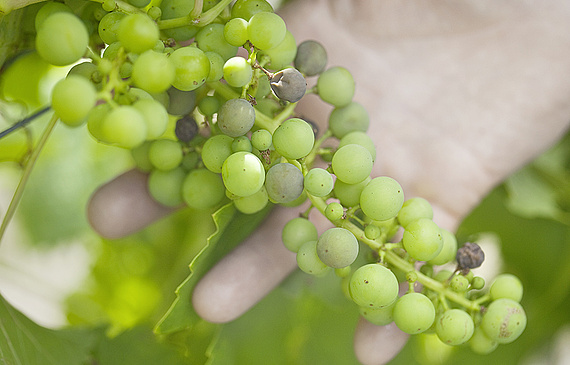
x: 376, y: 345
x: 123, y: 206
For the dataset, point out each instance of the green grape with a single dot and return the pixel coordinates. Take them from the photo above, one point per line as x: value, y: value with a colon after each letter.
x: 454, y: 327
x: 109, y: 26
x: 125, y: 70
x: 372, y: 231
x: 311, y: 58
x: 414, y: 313
x: 337, y: 247
x: 155, y: 116
x: 352, y: 163
x: 448, y: 251
x: 209, y: 105
x: 504, y: 321
x: 49, y: 8
x: 62, y: 39
x: 378, y: 316
x: 95, y: 119
x: 180, y: 102
x: 268, y: 106
x: 308, y: 260
x: 481, y: 344
x: 140, y: 156
x: 72, y: 98
x: 349, y: 194
x: 253, y: 203
x: 288, y: 85
x: 348, y: 118
x: 261, y: 139
x: 172, y: 9
x: 191, y: 66
x: 343, y: 272
x: 124, y: 126
x: 281, y: 55
x: 318, y: 182
x: 166, y: 186
x: 423, y: 239
x: 359, y: 138
x: 235, y: 31
x: 284, y: 183
x: 139, y: 3
x: 334, y: 211
x: 477, y: 283
x: 110, y: 53
x: 165, y: 154
x: 153, y: 72
x: 216, y: 67
x: 262, y: 89
x: 382, y: 198
x: 138, y: 33
x: 336, y: 86
x: 154, y: 12
x: 87, y: 70
x: 241, y: 143
x: 237, y: 72
x: 202, y: 189
x: 266, y: 30
x: 236, y: 117
x: 373, y: 285
x: 190, y: 160
x: 215, y: 151
x: 211, y: 39
x: 442, y: 275
x: 294, y: 139
x: 506, y: 286
x: 245, y: 9
x: 298, y: 231
x: 243, y: 173
x: 459, y: 284
x: 414, y: 208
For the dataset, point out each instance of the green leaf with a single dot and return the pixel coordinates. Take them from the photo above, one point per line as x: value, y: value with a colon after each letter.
x: 24, y: 342
x: 232, y: 227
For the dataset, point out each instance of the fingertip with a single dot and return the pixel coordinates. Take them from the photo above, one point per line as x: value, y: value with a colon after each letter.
x: 377, y: 345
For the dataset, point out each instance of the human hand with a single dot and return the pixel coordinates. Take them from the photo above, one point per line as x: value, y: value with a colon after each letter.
x: 460, y: 96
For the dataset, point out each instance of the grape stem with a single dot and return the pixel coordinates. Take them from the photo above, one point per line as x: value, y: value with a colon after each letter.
x: 199, y: 20
x: 123, y: 7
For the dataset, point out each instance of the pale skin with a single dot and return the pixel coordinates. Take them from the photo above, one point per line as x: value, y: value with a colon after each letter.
x: 460, y: 95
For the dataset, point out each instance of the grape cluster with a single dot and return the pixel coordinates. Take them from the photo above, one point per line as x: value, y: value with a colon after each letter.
x: 204, y: 96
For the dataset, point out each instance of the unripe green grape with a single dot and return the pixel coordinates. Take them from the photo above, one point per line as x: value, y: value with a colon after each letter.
x: 266, y: 30
x: 378, y: 316
x: 87, y: 70
x: 72, y: 98
x: 153, y: 72
x: 359, y: 138
x: 165, y: 154
x: 140, y: 156
x: 422, y: 239
x: 237, y: 72
x: 235, y: 31
x: 175, y: 9
x: 202, y: 189
x: 294, y: 139
x: 262, y: 89
x: 311, y: 58
x: 349, y: 194
x: 95, y: 119
x: 382, y: 198
x: 261, y: 139
x: 336, y: 86
x: 62, y: 39
x: 166, y: 186
x: 298, y: 231
x: 284, y: 183
x: 448, y: 251
x: 49, y: 8
x: 109, y: 54
x: 154, y: 12
x: 215, y: 151
x: 477, y: 283
x: 373, y: 285
x: 504, y: 321
x: 124, y: 126
x: 343, y: 272
x: 481, y: 344
x: 318, y: 182
x: 454, y: 327
x: 337, y: 247
x: 414, y: 313
x: 334, y: 211
x: 191, y: 67
x: 243, y: 173
x: 139, y: 3
x: 138, y: 33
x: 308, y: 261
x: 283, y: 54
x: 348, y: 118
x: 268, y: 106
x: 180, y: 102
x: 414, y: 208
x: 236, y: 117
x: 241, y: 143
x: 352, y: 163
x: 442, y: 275
x: 506, y: 286
x: 209, y: 105
x: 372, y: 231
x: 459, y: 284
x: 216, y: 67
x: 109, y: 26
x: 253, y: 203
x: 211, y: 39
x: 155, y: 116
x: 245, y: 9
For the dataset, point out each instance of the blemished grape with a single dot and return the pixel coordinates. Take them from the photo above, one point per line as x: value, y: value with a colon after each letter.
x: 378, y: 316
x: 216, y: 67
x: 352, y: 163
x: 211, y: 39
x: 414, y: 313
x: 166, y: 186
x: 318, y: 182
x: 186, y: 129
x: 215, y: 151
x: 261, y: 139
x: 308, y: 260
x: 124, y: 126
x: 236, y: 117
x: 422, y: 239
x: 281, y: 55
x: 165, y: 154
x: 266, y: 30
x: 481, y: 344
x: 349, y: 194
x: 62, y: 39
x: 137, y: 33
x: 237, y: 72
x: 414, y: 208
x: 337, y: 247
x: 336, y: 86
x: 359, y: 138
x: 253, y: 203
x: 469, y: 256
x: 373, y: 285
x: 334, y: 211
x: 454, y: 327
x: 72, y: 98
x: 448, y: 251
x: 289, y: 85
x: 202, y: 189
x: 153, y: 72
x: 235, y: 31
x: 506, y: 286
x: 155, y: 116
x: 298, y: 231
x: 109, y: 25
x: 504, y: 321
x: 191, y: 67
x: 243, y: 174
x: 293, y: 139
x: 311, y: 58
x: 245, y: 9
x: 459, y: 283
x: 242, y: 143
x: 284, y: 183
x: 382, y: 198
